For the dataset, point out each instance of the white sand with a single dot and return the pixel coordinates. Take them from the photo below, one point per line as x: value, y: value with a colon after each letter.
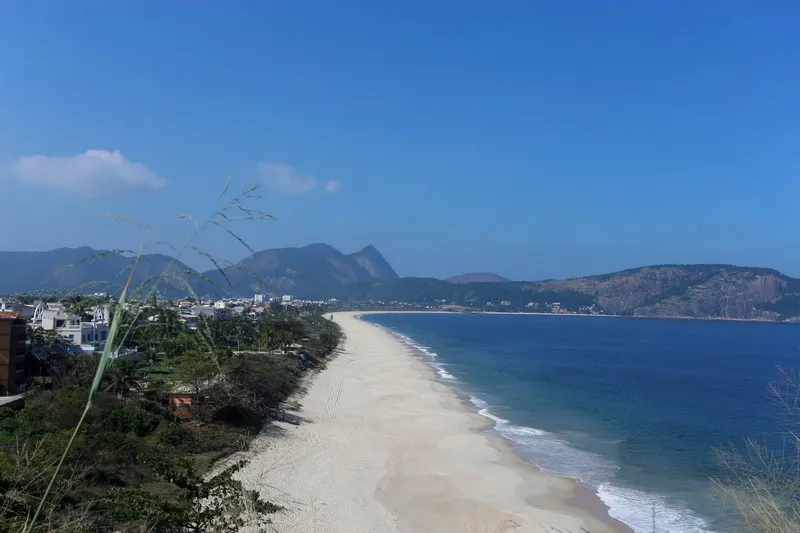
x: 384, y: 447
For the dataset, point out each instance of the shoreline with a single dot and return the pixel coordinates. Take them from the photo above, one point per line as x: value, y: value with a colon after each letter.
x: 585, y: 497
x: 524, y: 313
x: 383, y: 446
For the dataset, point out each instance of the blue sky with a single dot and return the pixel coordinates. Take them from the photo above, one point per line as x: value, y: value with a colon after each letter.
x: 533, y: 139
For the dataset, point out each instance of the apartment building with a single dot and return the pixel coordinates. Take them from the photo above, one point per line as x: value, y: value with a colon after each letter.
x: 12, y: 353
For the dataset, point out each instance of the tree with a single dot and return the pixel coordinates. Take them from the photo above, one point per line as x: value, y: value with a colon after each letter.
x: 83, y: 306
x: 121, y: 377
x: 196, y: 370
x: 285, y: 339
x: 258, y: 381
x: 230, y: 331
x: 159, y: 333
x: 47, y: 354
x: 270, y: 339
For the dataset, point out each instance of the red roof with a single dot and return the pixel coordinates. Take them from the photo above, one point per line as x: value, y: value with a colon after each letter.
x: 9, y: 314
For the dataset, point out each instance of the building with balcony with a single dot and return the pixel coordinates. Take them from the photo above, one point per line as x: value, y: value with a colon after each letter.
x: 72, y: 327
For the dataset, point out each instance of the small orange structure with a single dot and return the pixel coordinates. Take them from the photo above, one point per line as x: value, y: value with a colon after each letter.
x: 182, y: 404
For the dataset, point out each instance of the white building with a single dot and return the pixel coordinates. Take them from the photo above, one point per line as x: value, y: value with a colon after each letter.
x: 220, y: 304
x: 73, y: 327
x: 286, y: 298
x: 259, y: 298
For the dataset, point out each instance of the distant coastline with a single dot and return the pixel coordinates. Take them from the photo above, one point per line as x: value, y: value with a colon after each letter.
x: 517, y: 313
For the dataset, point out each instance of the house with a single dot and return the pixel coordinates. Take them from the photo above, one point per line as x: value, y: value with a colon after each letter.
x: 223, y: 313
x: 13, y: 338
x: 189, y: 319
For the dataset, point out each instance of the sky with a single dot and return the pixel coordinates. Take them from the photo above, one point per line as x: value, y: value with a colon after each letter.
x: 535, y: 139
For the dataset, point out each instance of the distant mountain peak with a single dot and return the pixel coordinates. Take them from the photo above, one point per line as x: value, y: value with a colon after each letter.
x: 373, y: 262
x: 478, y: 277
x: 320, y: 246
x: 317, y: 270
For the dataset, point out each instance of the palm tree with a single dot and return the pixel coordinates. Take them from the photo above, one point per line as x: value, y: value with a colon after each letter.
x: 285, y: 339
x: 122, y: 377
x: 270, y: 339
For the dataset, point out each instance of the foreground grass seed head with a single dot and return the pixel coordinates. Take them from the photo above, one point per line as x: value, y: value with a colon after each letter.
x: 56, y: 469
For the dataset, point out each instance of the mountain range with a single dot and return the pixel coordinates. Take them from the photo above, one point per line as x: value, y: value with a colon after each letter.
x: 314, y: 271
x: 320, y: 271
x: 85, y: 270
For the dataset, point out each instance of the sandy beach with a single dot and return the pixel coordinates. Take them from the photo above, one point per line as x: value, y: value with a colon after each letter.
x: 383, y: 447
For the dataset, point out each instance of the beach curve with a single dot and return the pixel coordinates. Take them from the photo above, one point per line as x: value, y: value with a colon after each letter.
x: 382, y: 446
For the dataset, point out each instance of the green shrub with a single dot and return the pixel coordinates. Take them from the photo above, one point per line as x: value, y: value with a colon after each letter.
x: 128, y: 419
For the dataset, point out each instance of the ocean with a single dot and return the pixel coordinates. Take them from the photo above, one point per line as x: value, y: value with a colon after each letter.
x: 631, y: 407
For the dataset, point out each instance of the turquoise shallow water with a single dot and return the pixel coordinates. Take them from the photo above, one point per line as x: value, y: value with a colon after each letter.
x: 631, y: 407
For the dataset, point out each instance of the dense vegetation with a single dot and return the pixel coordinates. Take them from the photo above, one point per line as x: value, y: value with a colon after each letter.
x: 139, y: 463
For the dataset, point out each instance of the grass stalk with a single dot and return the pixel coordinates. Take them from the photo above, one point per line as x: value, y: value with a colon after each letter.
x: 96, y: 382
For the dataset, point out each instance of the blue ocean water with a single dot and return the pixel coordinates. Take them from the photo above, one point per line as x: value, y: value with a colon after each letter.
x: 631, y: 407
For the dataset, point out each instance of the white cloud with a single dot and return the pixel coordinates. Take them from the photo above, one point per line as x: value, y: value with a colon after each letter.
x: 285, y: 179
x: 94, y: 172
x: 333, y: 186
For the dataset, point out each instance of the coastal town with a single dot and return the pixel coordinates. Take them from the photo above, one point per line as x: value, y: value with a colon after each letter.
x: 82, y: 323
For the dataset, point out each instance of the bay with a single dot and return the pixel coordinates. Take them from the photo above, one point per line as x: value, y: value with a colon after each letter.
x: 631, y: 407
